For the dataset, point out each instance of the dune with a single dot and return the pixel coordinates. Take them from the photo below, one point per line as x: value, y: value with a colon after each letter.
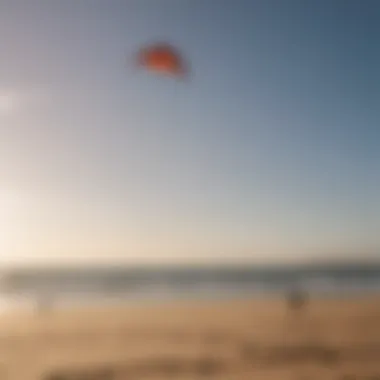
x: 238, y: 339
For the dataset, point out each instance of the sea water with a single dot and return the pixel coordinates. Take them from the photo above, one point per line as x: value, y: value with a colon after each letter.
x: 117, y: 285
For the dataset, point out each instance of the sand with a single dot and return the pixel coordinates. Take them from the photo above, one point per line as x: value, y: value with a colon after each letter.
x: 239, y: 339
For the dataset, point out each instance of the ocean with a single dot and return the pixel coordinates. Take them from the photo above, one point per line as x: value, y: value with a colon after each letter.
x: 69, y: 286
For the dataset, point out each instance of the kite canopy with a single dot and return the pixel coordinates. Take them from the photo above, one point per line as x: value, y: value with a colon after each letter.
x: 162, y: 58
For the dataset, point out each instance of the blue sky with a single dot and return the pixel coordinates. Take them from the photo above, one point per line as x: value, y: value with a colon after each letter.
x: 269, y: 153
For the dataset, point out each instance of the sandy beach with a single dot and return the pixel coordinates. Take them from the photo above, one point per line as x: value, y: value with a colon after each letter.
x: 244, y: 339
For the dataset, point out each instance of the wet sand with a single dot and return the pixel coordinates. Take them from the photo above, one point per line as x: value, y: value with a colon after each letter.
x: 259, y: 338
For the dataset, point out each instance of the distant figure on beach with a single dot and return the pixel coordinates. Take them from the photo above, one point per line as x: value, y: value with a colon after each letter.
x: 299, y: 325
x: 296, y: 299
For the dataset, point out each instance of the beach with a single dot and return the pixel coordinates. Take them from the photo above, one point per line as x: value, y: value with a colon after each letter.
x: 257, y: 338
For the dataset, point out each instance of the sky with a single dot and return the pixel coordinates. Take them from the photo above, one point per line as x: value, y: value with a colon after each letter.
x: 268, y: 154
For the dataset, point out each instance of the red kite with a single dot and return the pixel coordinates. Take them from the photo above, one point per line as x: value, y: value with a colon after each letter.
x: 162, y: 58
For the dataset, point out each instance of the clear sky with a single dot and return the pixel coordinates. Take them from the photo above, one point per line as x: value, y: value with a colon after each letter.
x: 270, y: 153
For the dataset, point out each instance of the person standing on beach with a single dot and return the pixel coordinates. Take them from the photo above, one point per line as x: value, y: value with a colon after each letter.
x: 295, y: 319
x: 296, y: 299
